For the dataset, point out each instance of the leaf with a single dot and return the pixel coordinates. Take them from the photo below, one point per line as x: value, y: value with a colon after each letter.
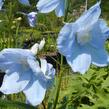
x: 105, y: 84
x: 84, y: 107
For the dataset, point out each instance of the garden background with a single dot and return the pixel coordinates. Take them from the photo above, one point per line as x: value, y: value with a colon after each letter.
x: 88, y: 91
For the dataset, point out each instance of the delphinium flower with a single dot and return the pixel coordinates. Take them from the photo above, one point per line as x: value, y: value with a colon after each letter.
x: 82, y: 42
x: 23, y: 72
x: 46, y: 6
x: 24, y: 2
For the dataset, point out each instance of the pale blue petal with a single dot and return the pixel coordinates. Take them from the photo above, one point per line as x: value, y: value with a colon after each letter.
x: 66, y: 39
x: 99, y: 56
x: 25, y: 2
x: 49, y: 73
x: 89, y: 17
x: 4, y: 64
x: 15, y: 82
x: 98, y: 36
x: 80, y: 63
x: 32, y: 19
x: 35, y: 94
x: 15, y: 55
x: 44, y: 66
x: 34, y: 65
x: 104, y: 28
x: 1, y: 4
x: 41, y: 73
x: 10, y: 67
x: 60, y: 9
x: 47, y: 69
x: 12, y: 60
x: 46, y: 6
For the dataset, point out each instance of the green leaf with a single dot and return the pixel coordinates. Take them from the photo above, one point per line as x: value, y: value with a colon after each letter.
x: 105, y: 84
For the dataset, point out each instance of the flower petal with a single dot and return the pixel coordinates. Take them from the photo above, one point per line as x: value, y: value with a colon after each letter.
x: 89, y: 17
x: 44, y: 66
x: 104, y: 28
x: 34, y: 65
x: 10, y: 67
x: 46, y: 6
x: 35, y: 94
x: 1, y: 4
x: 80, y: 63
x: 98, y: 34
x: 41, y: 44
x: 60, y: 9
x: 11, y: 60
x: 32, y: 18
x: 15, y: 82
x: 25, y: 2
x: 99, y: 57
x: 15, y: 55
x: 49, y: 73
x: 66, y: 39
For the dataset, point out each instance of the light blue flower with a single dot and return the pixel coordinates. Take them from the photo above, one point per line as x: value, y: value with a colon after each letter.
x: 24, y: 2
x: 25, y: 73
x: 1, y: 4
x: 46, y: 6
x: 82, y: 42
x: 32, y: 18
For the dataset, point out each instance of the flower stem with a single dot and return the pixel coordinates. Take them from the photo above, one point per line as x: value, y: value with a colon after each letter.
x: 59, y: 84
x: 44, y: 107
x: 67, y: 2
x: 86, y: 5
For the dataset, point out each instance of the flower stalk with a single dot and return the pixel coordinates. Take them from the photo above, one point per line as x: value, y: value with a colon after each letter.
x: 67, y: 2
x: 59, y: 84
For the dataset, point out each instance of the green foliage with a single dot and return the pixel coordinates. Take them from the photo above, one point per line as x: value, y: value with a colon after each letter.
x: 88, y: 91
x: 16, y: 105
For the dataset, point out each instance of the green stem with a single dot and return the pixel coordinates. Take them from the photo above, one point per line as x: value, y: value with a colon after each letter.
x: 59, y: 84
x: 16, y: 36
x: 44, y: 107
x: 67, y: 4
x: 61, y: 66
x: 86, y: 5
x: 9, y: 18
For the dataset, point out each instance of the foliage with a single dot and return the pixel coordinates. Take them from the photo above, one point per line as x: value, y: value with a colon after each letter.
x: 88, y: 91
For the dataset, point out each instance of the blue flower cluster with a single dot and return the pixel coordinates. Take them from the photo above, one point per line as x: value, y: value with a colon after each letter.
x: 81, y: 42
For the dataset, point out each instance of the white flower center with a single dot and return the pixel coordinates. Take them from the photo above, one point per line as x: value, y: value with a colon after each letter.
x: 83, y: 37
